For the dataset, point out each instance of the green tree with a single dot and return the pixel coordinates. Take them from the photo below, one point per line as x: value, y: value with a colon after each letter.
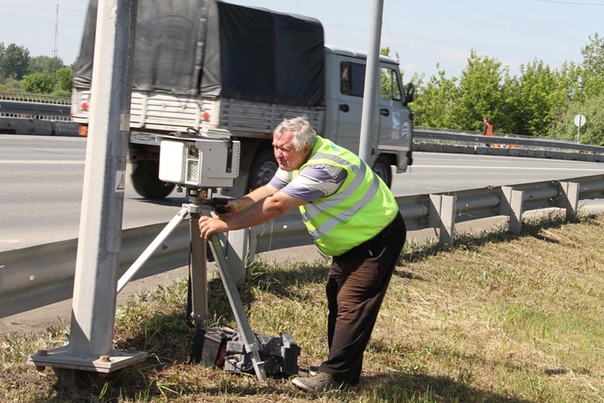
x: 593, y: 131
x: 539, y: 93
x: 14, y: 62
x: 10, y: 85
x: 480, y: 89
x: 593, y: 66
x: 571, y: 80
x: 510, y: 107
x: 38, y: 83
x: 45, y: 64
x: 64, y: 80
x: 436, y: 100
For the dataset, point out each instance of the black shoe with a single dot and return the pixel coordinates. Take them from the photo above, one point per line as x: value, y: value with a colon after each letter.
x: 321, y: 382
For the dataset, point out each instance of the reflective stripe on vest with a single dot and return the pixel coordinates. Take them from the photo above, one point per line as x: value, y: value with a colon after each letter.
x: 353, y: 187
x: 359, y: 210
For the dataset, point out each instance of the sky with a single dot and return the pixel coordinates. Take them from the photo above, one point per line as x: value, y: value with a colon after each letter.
x: 426, y: 36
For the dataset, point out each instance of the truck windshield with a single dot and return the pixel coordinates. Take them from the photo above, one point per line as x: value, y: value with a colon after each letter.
x: 391, y: 89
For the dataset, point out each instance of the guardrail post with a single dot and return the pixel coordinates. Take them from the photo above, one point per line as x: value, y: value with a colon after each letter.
x: 569, y: 199
x: 504, y: 202
x: 442, y: 215
x: 447, y: 214
x: 516, y: 198
x: 434, y: 211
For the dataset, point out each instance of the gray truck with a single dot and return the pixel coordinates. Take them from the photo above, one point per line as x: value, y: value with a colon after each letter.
x: 207, y: 65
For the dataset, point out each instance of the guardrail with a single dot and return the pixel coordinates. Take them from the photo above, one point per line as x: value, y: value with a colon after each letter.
x: 36, y: 114
x: 57, y: 109
x: 26, y: 283
x: 35, y: 98
x: 35, y: 106
x: 433, y: 140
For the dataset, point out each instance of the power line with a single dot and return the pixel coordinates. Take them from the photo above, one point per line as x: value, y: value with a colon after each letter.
x: 573, y: 3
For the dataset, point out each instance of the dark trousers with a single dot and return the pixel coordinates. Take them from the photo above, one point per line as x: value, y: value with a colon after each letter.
x: 356, y: 285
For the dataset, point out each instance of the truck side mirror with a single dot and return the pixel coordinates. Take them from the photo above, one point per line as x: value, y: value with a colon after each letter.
x: 409, y: 93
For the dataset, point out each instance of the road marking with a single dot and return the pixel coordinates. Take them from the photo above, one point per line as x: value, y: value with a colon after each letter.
x: 45, y: 162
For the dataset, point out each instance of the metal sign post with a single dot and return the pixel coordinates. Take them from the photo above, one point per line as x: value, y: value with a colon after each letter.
x: 579, y: 122
x: 89, y: 350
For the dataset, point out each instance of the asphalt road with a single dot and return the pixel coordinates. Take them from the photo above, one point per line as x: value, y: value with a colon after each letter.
x: 41, y: 181
x: 41, y: 188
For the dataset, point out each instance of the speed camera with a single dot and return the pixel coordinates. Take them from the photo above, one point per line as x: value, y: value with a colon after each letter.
x: 198, y: 162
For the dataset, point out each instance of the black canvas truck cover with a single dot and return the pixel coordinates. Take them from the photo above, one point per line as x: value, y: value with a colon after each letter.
x: 209, y: 47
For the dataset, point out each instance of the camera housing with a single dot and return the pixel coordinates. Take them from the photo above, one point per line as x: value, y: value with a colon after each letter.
x: 199, y: 162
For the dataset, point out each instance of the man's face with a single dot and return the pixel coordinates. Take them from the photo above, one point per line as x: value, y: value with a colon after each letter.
x: 285, y: 152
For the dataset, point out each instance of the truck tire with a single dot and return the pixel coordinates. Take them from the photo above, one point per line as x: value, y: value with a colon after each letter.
x: 382, y: 168
x: 146, y: 181
x: 263, y: 169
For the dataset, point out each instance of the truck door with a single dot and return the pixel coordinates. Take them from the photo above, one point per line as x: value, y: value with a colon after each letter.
x: 349, y: 103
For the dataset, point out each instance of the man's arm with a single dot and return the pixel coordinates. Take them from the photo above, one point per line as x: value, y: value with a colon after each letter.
x: 261, y: 211
x: 252, y: 197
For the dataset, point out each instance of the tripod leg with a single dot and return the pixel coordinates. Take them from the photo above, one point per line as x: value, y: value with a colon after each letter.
x: 198, y: 273
x: 249, y: 339
x: 181, y: 215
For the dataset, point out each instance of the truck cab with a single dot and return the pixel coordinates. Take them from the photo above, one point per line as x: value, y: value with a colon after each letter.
x: 391, y: 138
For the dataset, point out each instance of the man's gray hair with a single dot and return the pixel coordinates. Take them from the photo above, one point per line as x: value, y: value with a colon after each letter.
x: 304, y: 134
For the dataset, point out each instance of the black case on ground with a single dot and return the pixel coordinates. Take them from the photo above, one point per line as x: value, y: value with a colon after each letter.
x: 223, y: 348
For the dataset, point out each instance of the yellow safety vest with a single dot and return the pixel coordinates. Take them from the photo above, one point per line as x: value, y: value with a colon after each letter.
x: 357, y: 212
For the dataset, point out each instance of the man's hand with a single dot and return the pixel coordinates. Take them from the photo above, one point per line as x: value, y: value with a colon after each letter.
x: 211, y: 225
x: 232, y: 206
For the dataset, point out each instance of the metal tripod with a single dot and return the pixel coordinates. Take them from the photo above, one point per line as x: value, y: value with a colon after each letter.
x: 199, y: 206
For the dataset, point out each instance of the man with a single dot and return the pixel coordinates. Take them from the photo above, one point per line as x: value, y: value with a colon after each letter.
x: 351, y: 215
x: 487, y: 128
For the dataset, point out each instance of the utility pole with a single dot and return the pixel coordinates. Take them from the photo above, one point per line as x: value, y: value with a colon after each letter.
x: 371, y: 80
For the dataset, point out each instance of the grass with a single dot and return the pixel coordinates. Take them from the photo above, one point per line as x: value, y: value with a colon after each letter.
x: 498, y: 318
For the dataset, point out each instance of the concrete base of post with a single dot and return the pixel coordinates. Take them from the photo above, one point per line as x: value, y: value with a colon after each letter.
x: 81, y: 372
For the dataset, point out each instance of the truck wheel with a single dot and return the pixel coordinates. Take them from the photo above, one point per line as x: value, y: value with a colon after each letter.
x: 146, y: 182
x: 382, y: 168
x: 263, y: 169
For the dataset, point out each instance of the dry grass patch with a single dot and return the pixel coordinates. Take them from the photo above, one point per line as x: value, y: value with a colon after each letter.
x: 499, y: 318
